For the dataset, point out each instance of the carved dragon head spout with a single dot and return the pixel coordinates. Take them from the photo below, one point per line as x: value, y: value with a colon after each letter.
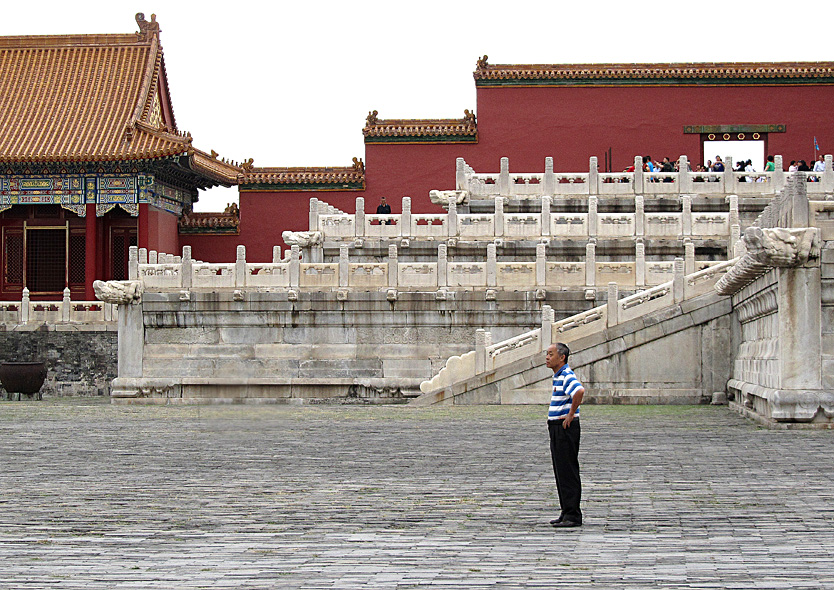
x: 778, y: 246
x: 118, y: 292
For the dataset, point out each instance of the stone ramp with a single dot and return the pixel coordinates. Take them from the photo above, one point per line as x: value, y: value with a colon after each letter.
x: 676, y: 354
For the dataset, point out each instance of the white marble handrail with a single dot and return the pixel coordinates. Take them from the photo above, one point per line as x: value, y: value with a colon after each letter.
x: 488, y: 356
x: 64, y: 310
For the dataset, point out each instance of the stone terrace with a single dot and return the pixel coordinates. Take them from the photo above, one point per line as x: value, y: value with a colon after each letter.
x: 100, y: 496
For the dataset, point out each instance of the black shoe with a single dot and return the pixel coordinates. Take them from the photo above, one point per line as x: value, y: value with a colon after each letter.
x: 563, y: 524
x: 556, y: 521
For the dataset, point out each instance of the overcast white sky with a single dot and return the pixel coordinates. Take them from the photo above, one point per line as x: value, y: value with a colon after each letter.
x: 290, y: 83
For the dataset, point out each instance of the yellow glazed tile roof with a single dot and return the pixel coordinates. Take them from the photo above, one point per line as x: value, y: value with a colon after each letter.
x: 85, y: 98
x: 717, y: 72
x: 351, y: 176
x: 420, y: 128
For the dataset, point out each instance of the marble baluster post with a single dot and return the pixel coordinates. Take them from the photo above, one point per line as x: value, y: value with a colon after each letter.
x: 612, y: 305
x: 504, y: 178
x: 186, y: 268
x: 393, y: 265
x: 491, y: 266
x: 359, y: 218
x: 546, y: 216
x: 549, y: 187
x: 590, y: 263
x: 442, y: 267
x: 240, y: 267
x: 593, y: 176
x: 640, y: 262
x: 541, y: 265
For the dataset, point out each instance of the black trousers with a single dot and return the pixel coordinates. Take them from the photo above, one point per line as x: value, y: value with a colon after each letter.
x: 564, y: 452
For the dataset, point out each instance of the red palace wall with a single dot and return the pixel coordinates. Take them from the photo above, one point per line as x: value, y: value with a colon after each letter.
x: 162, y: 231
x: 264, y: 215
x: 396, y: 170
x: 212, y: 247
x: 572, y: 124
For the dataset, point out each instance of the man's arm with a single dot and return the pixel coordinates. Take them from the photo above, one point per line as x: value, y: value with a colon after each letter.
x: 574, y: 405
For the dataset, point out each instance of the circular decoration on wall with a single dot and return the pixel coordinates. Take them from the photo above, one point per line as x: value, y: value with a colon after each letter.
x: 741, y: 136
x: 711, y: 136
x: 726, y: 136
x: 756, y: 135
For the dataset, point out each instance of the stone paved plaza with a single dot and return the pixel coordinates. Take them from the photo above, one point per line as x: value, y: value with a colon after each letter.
x: 100, y: 496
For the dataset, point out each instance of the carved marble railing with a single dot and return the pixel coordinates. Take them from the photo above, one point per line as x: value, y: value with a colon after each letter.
x: 784, y: 235
x: 550, y: 183
x: 488, y: 356
x: 63, y: 311
x: 777, y: 290
x: 164, y: 272
x: 518, y: 226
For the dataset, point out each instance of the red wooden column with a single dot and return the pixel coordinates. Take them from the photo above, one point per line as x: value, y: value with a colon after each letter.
x: 143, y: 225
x: 90, y: 252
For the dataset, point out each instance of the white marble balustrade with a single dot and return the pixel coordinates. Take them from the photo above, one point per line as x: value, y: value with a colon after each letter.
x: 65, y: 311
x: 525, y: 226
x: 291, y: 272
x: 549, y: 183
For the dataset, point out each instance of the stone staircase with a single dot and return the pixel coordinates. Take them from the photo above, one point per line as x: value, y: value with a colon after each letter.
x: 620, y: 350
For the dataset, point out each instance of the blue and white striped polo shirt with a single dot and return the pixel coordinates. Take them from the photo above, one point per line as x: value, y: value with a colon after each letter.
x: 565, y: 385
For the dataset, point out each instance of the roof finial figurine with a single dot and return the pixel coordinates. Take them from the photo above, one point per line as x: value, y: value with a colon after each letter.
x: 482, y: 62
x: 371, y: 120
x: 358, y: 164
x: 146, y: 29
x: 469, y: 118
x: 248, y: 164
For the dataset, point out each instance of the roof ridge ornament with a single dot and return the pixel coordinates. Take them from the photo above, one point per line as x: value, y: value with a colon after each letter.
x: 482, y: 63
x: 146, y: 29
x: 371, y: 119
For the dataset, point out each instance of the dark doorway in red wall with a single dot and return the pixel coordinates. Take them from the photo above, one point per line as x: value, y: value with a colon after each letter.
x: 46, y: 259
x: 121, y: 239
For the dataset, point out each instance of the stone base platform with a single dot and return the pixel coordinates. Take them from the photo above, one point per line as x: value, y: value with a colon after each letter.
x: 782, y: 409
x: 297, y: 391
x: 774, y: 425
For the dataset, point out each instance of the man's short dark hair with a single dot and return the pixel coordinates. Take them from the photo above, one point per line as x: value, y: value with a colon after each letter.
x: 563, y: 350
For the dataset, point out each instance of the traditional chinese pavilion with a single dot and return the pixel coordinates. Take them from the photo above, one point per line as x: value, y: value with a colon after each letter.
x: 91, y: 159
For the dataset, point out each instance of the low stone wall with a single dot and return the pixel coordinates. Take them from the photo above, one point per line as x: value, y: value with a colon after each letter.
x: 81, y: 359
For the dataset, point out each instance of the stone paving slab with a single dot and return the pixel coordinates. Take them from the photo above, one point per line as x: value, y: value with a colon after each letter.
x: 315, y: 497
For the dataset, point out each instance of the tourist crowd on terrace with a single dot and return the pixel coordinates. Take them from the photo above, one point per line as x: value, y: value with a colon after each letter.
x: 667, y: 165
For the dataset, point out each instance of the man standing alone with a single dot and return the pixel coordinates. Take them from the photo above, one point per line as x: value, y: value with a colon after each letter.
x: 384, y: 209
x: 563, y: 427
